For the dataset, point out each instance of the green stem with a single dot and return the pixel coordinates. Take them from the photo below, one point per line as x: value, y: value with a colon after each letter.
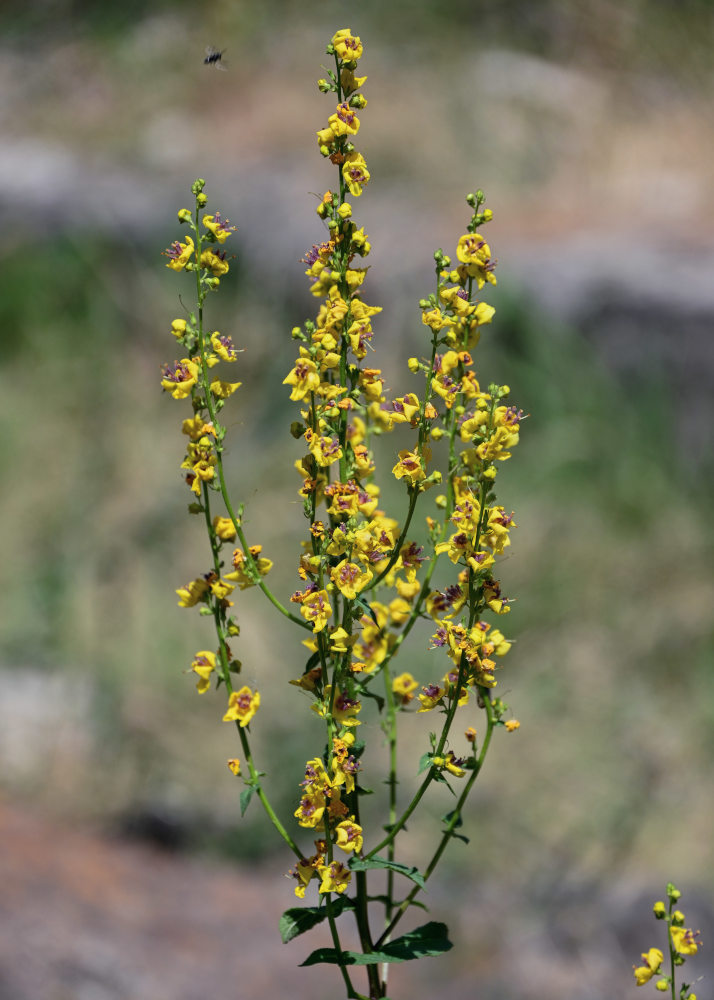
x: 451, y: 825
x: 672, y: 951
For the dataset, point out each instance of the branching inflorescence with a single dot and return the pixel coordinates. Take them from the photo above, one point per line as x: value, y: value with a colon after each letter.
x: 365, y: 581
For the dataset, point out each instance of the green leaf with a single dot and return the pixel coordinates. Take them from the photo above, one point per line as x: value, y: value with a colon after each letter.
x: 303, y: 918
x: 245, y: 796
x: 431, y: 939
x: 424, y: 762
x: 450, y: 816
x: 360, y: 603
x: 365, y: 864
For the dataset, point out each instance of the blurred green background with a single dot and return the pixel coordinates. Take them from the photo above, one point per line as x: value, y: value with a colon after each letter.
x: 589, y: 127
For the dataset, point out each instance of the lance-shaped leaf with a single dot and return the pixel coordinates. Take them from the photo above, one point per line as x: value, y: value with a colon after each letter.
x: 364, y: 864
x: 431, y: 939
x: 303, y: 918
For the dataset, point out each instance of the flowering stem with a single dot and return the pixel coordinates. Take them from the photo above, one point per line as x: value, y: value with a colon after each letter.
x: 218, y: 618
x: 210, y: 405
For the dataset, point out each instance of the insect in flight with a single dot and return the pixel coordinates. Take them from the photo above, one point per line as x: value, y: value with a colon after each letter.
x: 213, y: 57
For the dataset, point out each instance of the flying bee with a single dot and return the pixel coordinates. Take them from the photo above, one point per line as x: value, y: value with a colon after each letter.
x: 213, y: 57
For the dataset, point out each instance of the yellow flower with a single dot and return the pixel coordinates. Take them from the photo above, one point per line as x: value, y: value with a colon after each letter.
x: 512, y: 725
x: 215, y: 262
x: 350, y: 579
x: 233, y: 765
x: 347, y: 46
x: 221, y: 589
x: 192, y: 593
x: 325, y: 138
x: 204, y: 663
x: 315, y: 607
x: 450, y: 763
x: 224, y: 347
x: 221, y: 228
x: 325, y: 450
x: 196, y: 427
x: 179, y: 378
x: 309, y: 812
x: 179, y: 254
x: 409, y: 467
x: 349, y: 835
x: 404, y: 687
x: 350, y: 82
x: 344, y: 121
x: 653, y: 960
x: 355, y: 173
x: 222, y: 390
x: 335, y: 877
x: 344, y: 708
x: 304, y: 378
x: 684, y: 940
x: 224, y: 528
x: 316, y: 777
x: 430, y: 697
x: 178, y: 327
x: 242, y: 706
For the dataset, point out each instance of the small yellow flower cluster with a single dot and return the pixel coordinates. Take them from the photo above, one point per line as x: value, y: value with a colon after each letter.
x: 682, y: 944
x: 190, y: 378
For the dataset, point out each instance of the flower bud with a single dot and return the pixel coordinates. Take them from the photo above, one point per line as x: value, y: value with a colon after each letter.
x: 663, y: 985
x: 437, y: 433
x: 413, y: 365
x: 440, y: 501
x: 345, y: 211
x: 201, y: 200
x: 659, y: 910
x: 324, y: 86
x: 198, y: 186
x: 471, y: 199
x: 184, y: 215
x: 487, y: 215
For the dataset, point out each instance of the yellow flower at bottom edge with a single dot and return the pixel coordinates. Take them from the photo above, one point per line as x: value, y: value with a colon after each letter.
x: 233, y: 765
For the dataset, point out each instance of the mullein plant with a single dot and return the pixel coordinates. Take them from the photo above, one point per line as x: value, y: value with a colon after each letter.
x: 364, y: 580
x: 682, y: 942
